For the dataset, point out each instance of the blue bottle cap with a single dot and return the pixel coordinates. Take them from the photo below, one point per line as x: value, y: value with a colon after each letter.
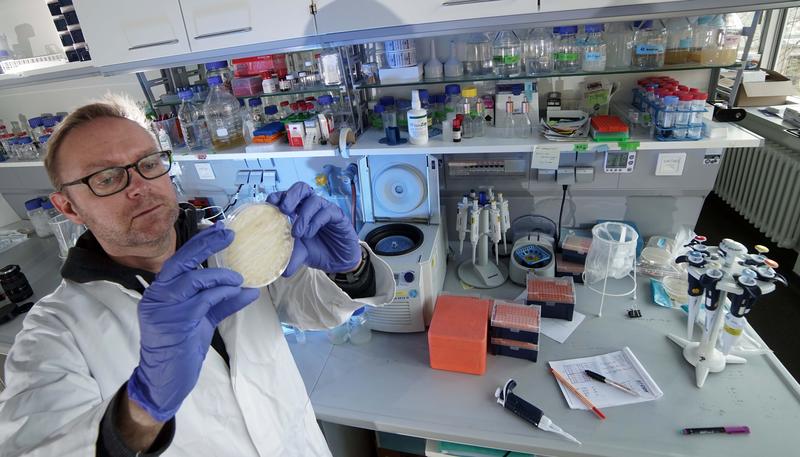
x: 569, y: 29
x: 670, y: 100
x: 216, y: 65
x: 516, y: 89
x: 241, y: 103
x: 643, y: 24
x: 379, y: 108
x: 35, y: 122
x: 185, y: 94
x: 25, y: 140
x: 325, y: 100
x: 387, y: 100
x: 43, y: 139
x: 214, y: 80
x: 254, y: 102
x: 593, y: 28
x: 271, y: 109
x: 359, y: 311
x: 403, y: 104
x: 33, y: 204
x: 47, y: 204
x: 452, y: 89
x: 50, y: 121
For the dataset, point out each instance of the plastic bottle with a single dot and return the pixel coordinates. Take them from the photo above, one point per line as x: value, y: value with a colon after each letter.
x: 453, y: 98
x: 594, y: 48
x: 271, y: 114
x: 666, y: 117
x: 685, y: 100
x: 326, y: 110
x: 49, y: 210
x: 567, y: 52
x: 478, y: 122
x: 390, y: 128
x: 162, y: 136
x: 269, y: 85
x: 698, y: 108
x: 539, y: 52
x: 733, y: 36
x: 478, y: 58
x: 650, y: 41
x: 254, y: 118
x: 417, y: 121
x: 619, y: 37
x: 453, y: 68
x: 193, y: 124
x: 507, y: 54
x: 522, y: 121
x: 223, y: 116
x: 26, y: 149
x: 36, y: 125
x: 470, y: 110
x: 38, y: 217
x: 679, y: 41
x: 330, y: 70
x: 433, y: 69
x: 360, y: 333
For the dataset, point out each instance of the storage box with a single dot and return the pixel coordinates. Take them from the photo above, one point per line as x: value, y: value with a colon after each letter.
x: 513, y: 321
x: 457, y: 337
x: 251, y: 66
x: 247, y: 86
x: 556, y: 296
x: 400, y: 75
x: 575, y: 248
x: 773, y: 91
x: 516, y: 349
x: 565, y: 268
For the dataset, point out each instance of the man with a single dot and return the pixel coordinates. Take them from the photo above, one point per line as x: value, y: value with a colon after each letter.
x: 193, y: 364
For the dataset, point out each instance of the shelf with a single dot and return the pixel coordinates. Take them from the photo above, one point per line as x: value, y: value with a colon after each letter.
x: 279, y: 150
x: 70, y: 70
x: 500, y: 79
x: 493, y: 142
x: 314, y: 90
x: 21, y: 164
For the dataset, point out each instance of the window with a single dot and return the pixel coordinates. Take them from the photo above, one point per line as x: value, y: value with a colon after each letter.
x: 787, y: 60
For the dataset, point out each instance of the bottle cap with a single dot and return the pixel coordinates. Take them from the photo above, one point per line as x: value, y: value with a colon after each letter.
x: 387, y: 100
x: 325, y: 100
x: 452, y: 89
x: 379, y: 108
x: 593, y: 28
x: 415, y: 103
x: 33, y: 204
x: 569, y: 29
x: 185, y: 94
x: 271, y: 109
x: 216, y: 65
x: 214, y: 80
x: 254, y: 102
x: 470, y: 92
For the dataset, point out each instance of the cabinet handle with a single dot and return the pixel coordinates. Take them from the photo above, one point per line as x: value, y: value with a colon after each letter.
x: 465, y: 2
x: 226, y: 32
x: 150, y: 45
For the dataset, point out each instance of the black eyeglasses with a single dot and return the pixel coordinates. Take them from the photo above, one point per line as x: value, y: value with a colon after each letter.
x: 115, y: 179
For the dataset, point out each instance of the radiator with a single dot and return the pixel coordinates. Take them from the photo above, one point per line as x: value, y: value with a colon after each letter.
x: 763, y: 185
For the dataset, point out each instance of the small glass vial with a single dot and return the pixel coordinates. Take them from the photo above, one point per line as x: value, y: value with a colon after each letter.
x: 478, y: 123
x: 522, y: 122
x: 360, y: 333
x: 508, y: 122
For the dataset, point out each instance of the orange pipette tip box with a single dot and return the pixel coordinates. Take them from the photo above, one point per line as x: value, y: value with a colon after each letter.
x: 457, y: 337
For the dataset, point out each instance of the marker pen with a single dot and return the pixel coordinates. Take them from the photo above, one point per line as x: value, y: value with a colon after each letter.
x: 730, y: 430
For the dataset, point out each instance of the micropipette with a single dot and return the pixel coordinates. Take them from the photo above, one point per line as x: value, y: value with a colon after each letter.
x: 474, y: 228
x: 527, y: 411
x: 461, y: 222
x: 505, y: 219
x: 495, y: 229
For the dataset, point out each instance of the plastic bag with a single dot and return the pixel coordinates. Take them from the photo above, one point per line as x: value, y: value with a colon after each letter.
x: 613, y: 252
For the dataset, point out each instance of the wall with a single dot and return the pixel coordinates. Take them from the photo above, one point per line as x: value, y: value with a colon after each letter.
x: 29, y: 28
x: 7, y: 214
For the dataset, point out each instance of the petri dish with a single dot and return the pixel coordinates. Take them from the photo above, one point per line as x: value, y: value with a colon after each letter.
x: 262, y: 245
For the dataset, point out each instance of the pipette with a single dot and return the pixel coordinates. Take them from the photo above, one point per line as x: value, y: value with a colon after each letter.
x: 505, y: 218
x: 461, y: 222
x: 527, y: 411
x: 474, y: 228
x: 495, y: 223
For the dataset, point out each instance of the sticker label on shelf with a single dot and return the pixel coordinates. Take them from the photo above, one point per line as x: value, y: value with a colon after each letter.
x: 581, y: 147
x: 628, y: 145
x: 545, y: 156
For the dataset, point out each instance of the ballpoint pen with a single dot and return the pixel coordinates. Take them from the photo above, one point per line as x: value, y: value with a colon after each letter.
x: 527, y: 411
x: 601, y: 378
x: 560, y: 378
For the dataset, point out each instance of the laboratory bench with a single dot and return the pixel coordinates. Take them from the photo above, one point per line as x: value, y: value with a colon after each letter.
x: 387, y: 384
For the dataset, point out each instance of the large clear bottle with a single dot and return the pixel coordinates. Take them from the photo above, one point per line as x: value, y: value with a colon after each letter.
x: 539, y: 52
x: 478, y: 55
x: 679, y: 40
x: 223, y: 116
x: 507, y: 54
x: 568, y: 58
x: 594, y: 49
x: 650, y: 43
x: 193, y: 124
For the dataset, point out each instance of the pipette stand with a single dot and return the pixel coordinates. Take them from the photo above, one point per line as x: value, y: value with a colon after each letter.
x: 483, y: 273
x: 704, y: 355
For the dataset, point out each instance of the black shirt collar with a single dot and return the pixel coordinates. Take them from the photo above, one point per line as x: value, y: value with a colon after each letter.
x: 87, y: 261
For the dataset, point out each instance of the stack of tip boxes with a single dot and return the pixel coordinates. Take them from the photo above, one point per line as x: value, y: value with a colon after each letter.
x: 458, y: 335
x: 515, y: 330
x: 556, y: 296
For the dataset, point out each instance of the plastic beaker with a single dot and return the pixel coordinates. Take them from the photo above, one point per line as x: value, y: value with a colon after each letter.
x: 66, y: 232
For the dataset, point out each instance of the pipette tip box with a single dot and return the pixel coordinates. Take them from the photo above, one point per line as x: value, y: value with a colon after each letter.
x: 556, y: 296
x: 513, y: 348
x: 575, y: 247
x: 458, y: 335
x: 515, y: 330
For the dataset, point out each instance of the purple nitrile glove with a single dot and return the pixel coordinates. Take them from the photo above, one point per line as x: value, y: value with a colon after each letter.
x: 177, y: 317
x: 324, y: 237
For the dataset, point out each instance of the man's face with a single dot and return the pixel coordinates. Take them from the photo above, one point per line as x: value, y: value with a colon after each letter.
x: 141, y: 215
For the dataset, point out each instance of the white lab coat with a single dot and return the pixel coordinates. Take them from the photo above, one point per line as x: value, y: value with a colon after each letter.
x: 81, y: 343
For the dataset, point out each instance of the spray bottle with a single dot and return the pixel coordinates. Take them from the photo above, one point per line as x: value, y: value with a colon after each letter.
x: 417, y: 121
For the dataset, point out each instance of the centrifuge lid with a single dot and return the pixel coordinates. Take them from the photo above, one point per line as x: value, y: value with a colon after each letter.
x: 531, y: 223
x: 398, y: 190
x: 394, y: 239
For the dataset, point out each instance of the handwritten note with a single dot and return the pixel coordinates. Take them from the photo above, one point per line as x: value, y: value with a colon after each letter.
x: 545, y: 156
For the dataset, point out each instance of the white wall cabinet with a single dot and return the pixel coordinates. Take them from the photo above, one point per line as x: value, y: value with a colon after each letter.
x: 217, y: 24
x: 348, y: 15
x: 125, y: 31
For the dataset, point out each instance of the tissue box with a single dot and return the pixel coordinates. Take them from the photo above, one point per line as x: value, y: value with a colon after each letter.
x: 457, y: 337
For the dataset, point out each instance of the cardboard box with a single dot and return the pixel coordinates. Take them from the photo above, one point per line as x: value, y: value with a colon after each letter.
x: 773, y: 91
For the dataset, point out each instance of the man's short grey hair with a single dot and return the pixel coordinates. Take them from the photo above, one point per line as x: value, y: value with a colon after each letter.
x: 112, y: 105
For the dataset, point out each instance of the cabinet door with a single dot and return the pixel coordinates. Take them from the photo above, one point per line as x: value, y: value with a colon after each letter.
x: 347, y: 15
x: 216, y: 24
x: 127, y: 31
